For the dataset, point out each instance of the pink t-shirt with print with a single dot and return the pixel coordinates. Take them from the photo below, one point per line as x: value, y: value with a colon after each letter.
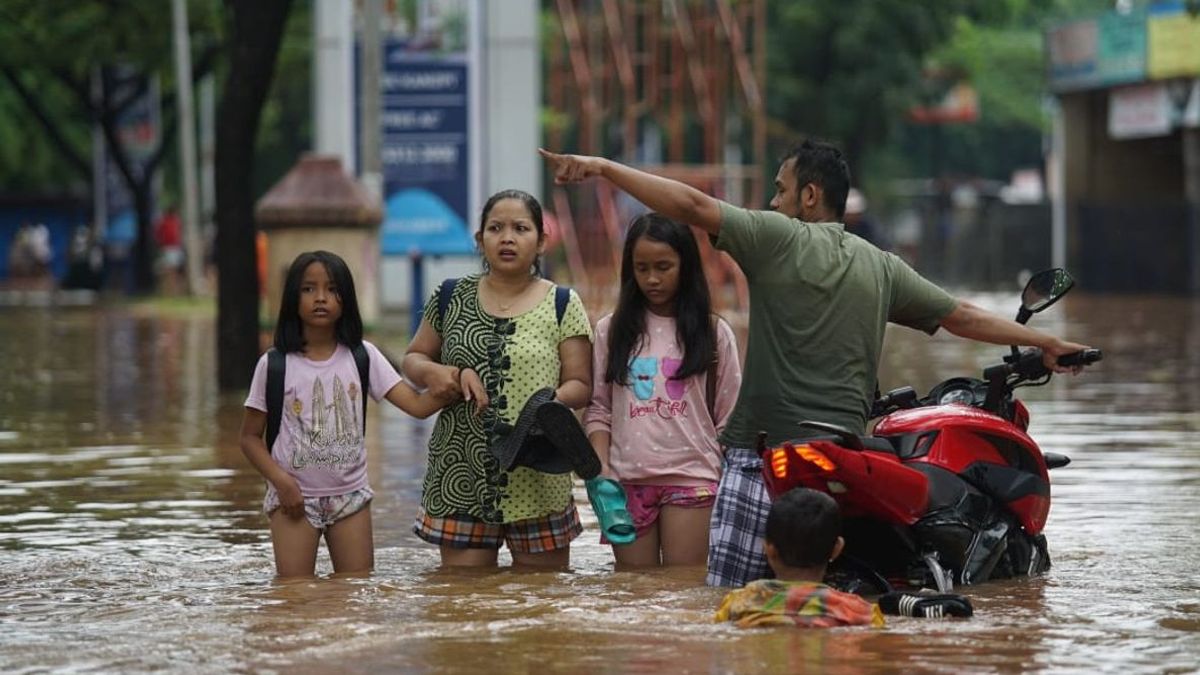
x: 662, y: 430
x: 320, y: 438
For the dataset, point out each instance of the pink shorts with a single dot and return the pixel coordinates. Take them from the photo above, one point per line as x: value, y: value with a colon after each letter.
x: 646, y: 501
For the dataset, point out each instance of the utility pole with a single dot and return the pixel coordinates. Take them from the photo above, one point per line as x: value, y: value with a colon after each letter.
x: 187, y: 143
x: 333, y: 80
x: 369, y: 93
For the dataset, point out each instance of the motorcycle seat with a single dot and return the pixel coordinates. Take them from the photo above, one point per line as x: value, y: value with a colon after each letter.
x: 848, y: 439
x: 878, y: 444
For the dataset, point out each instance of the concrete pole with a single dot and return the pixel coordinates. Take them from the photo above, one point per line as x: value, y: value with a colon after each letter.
x: 187, y: 143
x: 1191, y: 191
x: 333, y: 80
x: 1056, y: 170
x: 99, y: 168
x: 207, y: 100
x: 369, y: 128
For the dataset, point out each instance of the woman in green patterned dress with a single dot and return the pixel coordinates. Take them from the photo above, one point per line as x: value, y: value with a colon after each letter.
x: 501, y: 332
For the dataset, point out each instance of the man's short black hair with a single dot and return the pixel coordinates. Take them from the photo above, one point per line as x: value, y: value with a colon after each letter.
x: 803, y: 526
x: 822, y: 163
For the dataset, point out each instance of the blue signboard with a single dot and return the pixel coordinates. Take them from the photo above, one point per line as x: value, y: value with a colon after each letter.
x: 424, y: 152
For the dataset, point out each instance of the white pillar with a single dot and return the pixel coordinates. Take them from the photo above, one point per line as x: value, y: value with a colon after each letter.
x: 512, y: 97
x: 1056, y: 169
x: 187, y: 144
x: 333, y: 80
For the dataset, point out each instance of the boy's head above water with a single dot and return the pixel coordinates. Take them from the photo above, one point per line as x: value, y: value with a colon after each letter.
x: 803, y: 534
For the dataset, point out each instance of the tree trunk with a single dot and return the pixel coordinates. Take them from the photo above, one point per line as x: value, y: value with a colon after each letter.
x: 257, y: 29
x: 143, y: 247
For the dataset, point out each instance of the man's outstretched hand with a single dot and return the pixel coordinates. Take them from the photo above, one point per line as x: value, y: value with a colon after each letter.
x: 572, y: 168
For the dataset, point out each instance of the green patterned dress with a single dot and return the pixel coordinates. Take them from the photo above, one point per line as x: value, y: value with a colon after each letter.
x: 514, y: 357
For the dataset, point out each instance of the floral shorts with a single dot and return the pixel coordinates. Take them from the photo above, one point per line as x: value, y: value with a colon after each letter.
x: 322, y: 512
x: 645, y: 502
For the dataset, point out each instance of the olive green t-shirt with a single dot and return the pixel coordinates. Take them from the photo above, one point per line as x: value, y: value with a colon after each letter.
x: 820, y: 299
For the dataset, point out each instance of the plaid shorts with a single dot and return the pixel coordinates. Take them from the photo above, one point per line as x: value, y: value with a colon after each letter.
x: 739, y: 522
x: 533, y: 535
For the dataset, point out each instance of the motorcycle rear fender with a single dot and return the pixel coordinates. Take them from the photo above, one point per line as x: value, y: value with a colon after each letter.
x: 853, y: 478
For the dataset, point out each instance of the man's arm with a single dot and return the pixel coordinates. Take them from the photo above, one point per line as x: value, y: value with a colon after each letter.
x: 673, y: 199
x: 975, y: 323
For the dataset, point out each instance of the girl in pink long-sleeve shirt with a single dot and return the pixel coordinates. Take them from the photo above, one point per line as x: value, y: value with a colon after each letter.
x: 654, y: 414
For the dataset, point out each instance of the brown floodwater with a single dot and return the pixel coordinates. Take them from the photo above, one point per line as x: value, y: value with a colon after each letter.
x: 131, y: 537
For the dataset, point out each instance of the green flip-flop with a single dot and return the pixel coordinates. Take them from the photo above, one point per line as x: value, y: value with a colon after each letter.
x: 609, y: 502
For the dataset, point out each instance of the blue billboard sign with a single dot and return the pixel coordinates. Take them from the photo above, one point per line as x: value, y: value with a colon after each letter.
x: 424, y: 152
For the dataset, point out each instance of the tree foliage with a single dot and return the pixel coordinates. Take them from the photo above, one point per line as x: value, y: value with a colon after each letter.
x: 53, y: 51
x: 849, y: 70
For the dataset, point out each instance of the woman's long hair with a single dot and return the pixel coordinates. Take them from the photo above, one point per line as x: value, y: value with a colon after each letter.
x: 693, y: 307
x: 289, y: 329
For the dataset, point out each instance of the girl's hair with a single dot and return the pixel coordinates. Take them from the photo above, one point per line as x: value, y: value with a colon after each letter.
x: 289, y: 329
x: 531, y: 205
x: 693, y: 308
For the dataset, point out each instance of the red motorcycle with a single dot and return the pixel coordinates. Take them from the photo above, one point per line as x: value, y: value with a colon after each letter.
x: 949, y: 488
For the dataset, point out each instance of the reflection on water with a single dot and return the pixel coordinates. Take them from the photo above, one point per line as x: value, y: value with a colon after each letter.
x: 132, y: 538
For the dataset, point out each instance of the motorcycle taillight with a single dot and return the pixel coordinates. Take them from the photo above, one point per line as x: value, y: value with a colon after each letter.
x: 780, y: 458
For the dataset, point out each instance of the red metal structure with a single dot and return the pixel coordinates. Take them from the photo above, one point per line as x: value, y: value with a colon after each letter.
x: 672, y: 86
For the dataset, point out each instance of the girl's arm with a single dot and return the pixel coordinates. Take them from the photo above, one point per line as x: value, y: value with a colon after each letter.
x: 601, y: 440
x: 291, y: 499
x: 597, y: 419
x: 575, y: 376
x: 417, y: 404
x: 421, y: 364
x: 729, y: 375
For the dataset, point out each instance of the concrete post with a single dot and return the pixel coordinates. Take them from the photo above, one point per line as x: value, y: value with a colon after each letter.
x: 1191, y: 192
x: 333, y: 80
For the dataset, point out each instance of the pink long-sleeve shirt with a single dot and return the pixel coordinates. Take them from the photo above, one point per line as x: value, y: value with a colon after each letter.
x: 662, y: 430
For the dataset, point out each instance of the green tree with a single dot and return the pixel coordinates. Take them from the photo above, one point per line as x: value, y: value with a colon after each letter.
x: 53, y: 50
x: 849, y: 69
x: 1006, y: 64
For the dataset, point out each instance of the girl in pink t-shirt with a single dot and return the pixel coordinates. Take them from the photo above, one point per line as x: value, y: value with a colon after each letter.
x: 316, y: 469
x: 666, y: 378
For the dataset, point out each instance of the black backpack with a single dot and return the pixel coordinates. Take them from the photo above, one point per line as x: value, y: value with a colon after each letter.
x: 562, y: 295
x: 277, y: 368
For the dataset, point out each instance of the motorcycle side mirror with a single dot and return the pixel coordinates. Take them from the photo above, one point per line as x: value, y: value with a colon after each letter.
x: 1043, y: 290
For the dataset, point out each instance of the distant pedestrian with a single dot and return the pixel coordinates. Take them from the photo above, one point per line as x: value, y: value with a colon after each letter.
x: 168, y: 234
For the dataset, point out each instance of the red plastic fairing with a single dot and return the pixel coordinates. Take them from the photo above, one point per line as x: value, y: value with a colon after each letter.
x: 1032, y: 511
x: 958, y: 444
x: 1020, y: 415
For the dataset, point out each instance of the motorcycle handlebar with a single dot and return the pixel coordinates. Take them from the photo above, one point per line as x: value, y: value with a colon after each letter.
x: 1028, y: 364
x: 1083, y: 357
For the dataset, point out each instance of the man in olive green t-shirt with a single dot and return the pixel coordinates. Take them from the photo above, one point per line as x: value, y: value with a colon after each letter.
x: 820, y: 300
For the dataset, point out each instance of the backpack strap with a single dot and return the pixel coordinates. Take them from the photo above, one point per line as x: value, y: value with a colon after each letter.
x: 562, y: 295
x: 363, y: 360
x: 444, y: 293
x: 276, y: 369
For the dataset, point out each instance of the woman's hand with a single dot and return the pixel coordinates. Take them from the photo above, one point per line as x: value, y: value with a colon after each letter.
x: 473, y: 389
x: 443, y: 382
